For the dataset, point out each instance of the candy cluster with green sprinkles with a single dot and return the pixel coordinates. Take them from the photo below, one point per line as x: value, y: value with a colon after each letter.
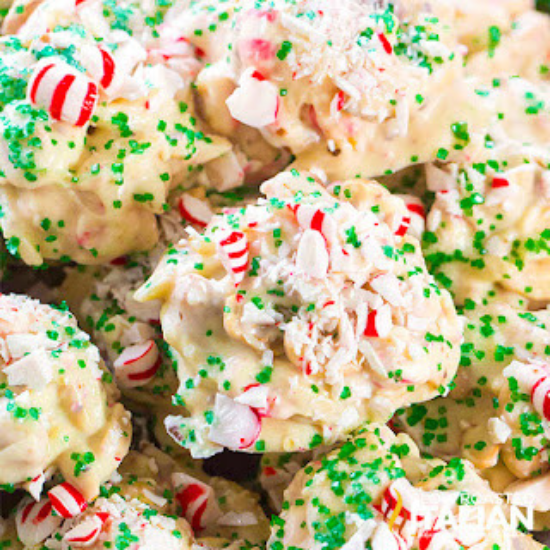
x: 57, y: 396
x: 310, y: 289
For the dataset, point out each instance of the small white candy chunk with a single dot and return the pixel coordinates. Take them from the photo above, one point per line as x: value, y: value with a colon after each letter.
x: 236, y: 519
x: 255, y: 397
x: 34, y: 371
x: 387, y: 285
x: 21, y: 344
x: 499, y: 431
x: 312, y: 257
x: 235, y: 426
x: 255, y: 102
x: 155, y: 499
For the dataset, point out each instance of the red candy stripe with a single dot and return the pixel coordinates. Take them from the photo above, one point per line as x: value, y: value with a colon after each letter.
x: 67, y: 501
x: 108, y: 68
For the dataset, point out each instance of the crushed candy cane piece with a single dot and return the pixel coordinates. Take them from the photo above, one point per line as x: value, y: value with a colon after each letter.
x: 35, y: 522
x: 197, y: 500
x: 379, y: 322
x: 100, y: 65
x: 540, y: 397
x: 67, y: 501
x: 85, y: 533
x: 137, y: 365
x: 312, y: 257
x: 417, y: 215
x: 194, y: 210
x: 35, y: 485
x: 235, y: 426
x: 255, y: 102
x: 309, y: 217
x: 234, y: 254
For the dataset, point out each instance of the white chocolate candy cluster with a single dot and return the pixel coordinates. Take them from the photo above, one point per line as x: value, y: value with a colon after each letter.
x: 499, y: 400
x: 58, y: 403
x: 87, y: 162
x: 317, y: 313
x: 153, y: 502
x: 377, y: 492
x: 347, y: 87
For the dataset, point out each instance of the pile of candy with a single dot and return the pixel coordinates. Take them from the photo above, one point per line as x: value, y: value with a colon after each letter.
x: 312, y: 232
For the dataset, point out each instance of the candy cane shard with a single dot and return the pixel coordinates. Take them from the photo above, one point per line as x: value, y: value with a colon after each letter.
x: 100, y: 65
x: 67, y: 501
x: 64, y: 92
x: 35, y: 485
x: 194, y: 210
x: 235, y: 426
x: 535, y: 380
x: 35, y: 522
x: 416, y: 218
x: 234, y: 253
x: 499, y: 183
x: 255, y: 102
x: 197, y: 501
x: 312, y: 257
x: 256, y: 397
x: 309, y: 217
x: 137, y: 365
x: 85, y: 533
x: 379, y: 322
x: 404, y: 225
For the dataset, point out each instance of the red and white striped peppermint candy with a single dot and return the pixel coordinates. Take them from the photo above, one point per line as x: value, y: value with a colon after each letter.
x: 35, y: 522
x: 86, y: 532
x: 137, y: 365
x: 100, y: 65
x: 195, y: 211
x: 235, y: 426
x: 197, y: 500
x: 234, y: 252
x: 310, y: 217
x: 379, y: 322
x: 67, y: 94
x: 256, y: 101
x: 67, y: 501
